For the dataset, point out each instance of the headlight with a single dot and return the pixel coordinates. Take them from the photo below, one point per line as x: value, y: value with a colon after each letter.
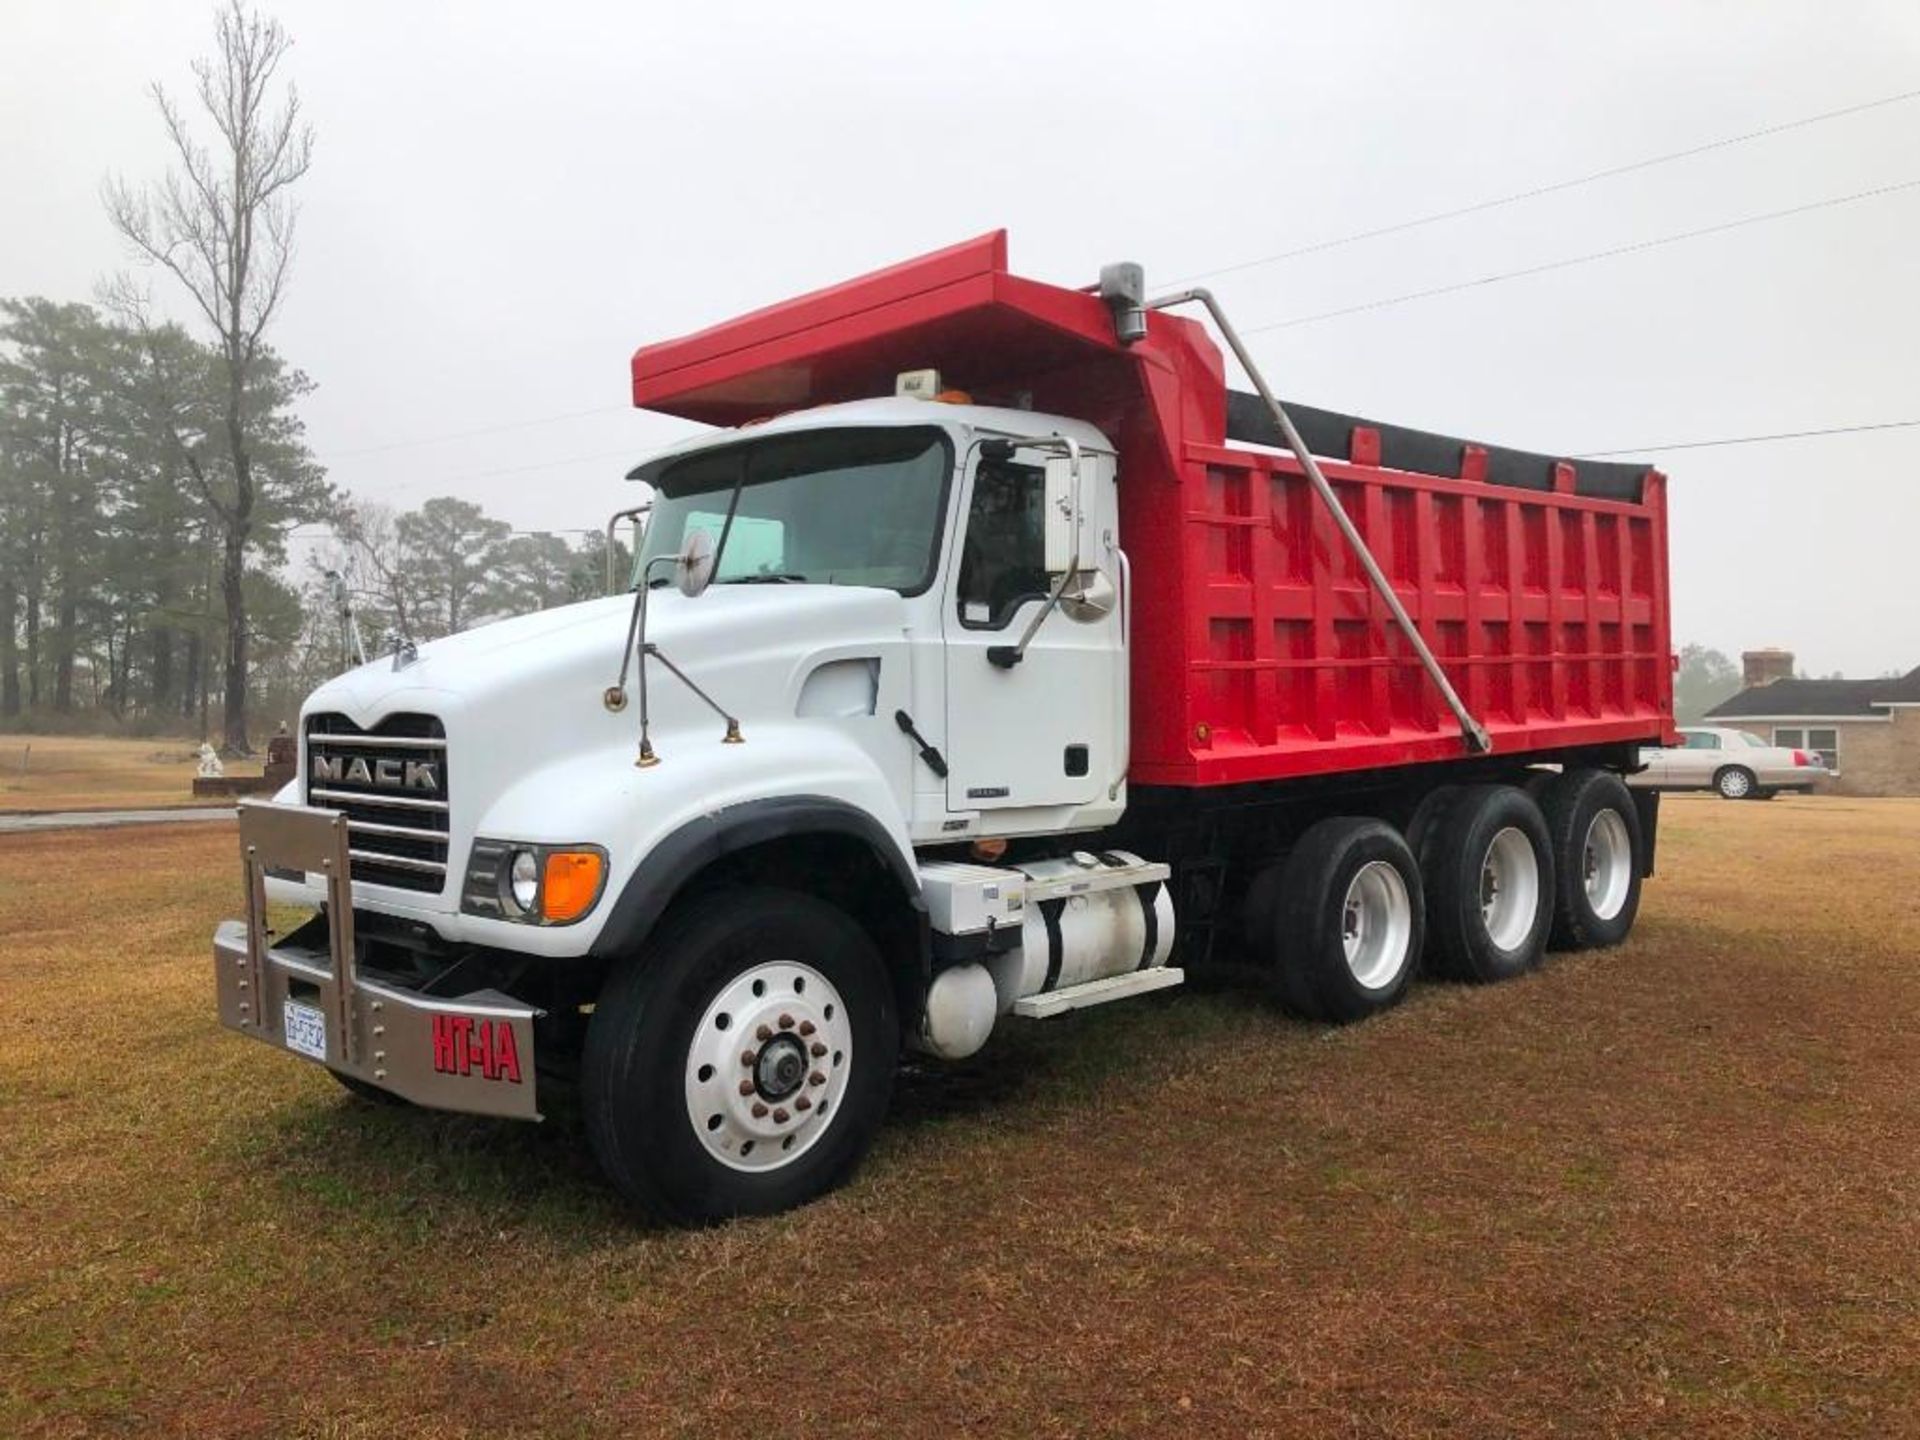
x: 536, y: 884
x: 523, y: 880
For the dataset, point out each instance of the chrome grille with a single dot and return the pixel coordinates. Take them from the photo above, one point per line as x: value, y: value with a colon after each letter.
x: 391, y: 783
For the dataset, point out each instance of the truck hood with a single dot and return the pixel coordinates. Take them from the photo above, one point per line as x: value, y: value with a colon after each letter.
x: 537, y: 680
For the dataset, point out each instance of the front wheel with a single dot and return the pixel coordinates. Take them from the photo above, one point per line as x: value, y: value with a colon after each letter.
x: 1734, y: 783
x: 742, y: 1064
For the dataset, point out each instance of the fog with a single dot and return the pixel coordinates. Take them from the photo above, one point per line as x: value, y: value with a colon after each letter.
x: 507, y: 199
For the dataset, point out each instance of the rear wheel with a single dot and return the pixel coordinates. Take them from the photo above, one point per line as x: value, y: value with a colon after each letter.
x: 1345, y: 921
x: 1596, y: 844
x: 1489, y: 869
x: 743, y: 1064
x: 1734, y: 783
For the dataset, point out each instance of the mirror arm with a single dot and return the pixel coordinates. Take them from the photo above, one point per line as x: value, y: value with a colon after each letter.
x: 633, y: 513
x: 1005, y: 657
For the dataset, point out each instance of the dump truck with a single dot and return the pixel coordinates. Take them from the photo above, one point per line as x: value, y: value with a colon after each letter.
x: 989, y: 658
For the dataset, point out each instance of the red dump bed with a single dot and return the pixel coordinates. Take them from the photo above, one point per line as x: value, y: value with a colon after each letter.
x: 1259, y: 651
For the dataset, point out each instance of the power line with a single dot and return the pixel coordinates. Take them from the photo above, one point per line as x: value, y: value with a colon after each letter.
x: 1337, y: 241
x: 1537, y: 191
x: 626, y: 452
x: 1329, y: 244
x: 549, y: 530
x: 1751, y: 439
x: 1586, y: 259
x: 470, y: 434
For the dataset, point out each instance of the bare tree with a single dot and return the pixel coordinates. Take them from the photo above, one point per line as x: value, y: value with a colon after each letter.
x: 222, y: 224
x: 372, y: 546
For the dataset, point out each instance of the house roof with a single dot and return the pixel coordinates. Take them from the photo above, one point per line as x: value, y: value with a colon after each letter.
x: 1826, y: 699
x: 1904, y: 691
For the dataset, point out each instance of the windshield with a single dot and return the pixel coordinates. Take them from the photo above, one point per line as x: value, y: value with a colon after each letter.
x: 1752, y: 740
x: 827, y: 507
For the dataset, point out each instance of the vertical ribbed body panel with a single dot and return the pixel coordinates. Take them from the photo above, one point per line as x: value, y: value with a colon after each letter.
x: 1547, y: 610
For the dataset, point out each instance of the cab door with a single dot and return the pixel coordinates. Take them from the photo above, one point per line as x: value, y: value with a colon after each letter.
x: 1044, y: 730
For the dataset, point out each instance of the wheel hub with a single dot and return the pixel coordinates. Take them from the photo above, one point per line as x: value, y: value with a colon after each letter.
x: 1376, y: 924
x: 780, y: 1068
x: 1607, y: 860
x: 1510, y: 892
x: 767, y: 1065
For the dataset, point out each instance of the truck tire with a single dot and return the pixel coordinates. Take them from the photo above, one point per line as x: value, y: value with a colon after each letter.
x: 1596, y: 849
x: 1488, y: 867
x: 1347, y: 922
x: 1734, y: 782
x: 742, y: 1064
x: 1427, y: 815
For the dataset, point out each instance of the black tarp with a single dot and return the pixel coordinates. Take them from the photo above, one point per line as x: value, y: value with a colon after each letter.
x: 1330, y: 434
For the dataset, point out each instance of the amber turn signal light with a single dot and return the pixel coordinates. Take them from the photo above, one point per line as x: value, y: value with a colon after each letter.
x: 570, y: 885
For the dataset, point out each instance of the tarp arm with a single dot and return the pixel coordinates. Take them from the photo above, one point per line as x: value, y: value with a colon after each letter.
x: 1471, y: 730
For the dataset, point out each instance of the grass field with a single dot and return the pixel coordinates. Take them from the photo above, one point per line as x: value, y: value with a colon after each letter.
x: 75, y: 772
x: 1672, y: 1189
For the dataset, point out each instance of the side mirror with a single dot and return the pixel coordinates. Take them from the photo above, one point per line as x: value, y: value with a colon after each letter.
x: 693, y: 566
x: 1064, y: 516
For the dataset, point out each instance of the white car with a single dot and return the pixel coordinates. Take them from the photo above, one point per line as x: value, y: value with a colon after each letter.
x: 1736, y: 764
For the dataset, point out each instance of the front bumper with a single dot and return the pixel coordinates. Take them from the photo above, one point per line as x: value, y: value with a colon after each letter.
x: 471, y: 1052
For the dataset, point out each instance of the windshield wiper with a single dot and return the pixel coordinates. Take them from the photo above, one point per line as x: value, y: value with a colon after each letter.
x: 770, y: 578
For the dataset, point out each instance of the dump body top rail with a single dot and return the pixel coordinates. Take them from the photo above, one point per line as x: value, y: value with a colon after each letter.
x: 1258, y: 649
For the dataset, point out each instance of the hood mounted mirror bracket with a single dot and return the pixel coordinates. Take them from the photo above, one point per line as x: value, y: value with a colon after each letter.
x: 693, y: 571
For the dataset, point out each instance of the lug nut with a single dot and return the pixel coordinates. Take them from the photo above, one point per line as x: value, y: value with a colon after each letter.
x: 786, y: 1022
x: 780, y: 1117
x: 747, y: 1057
x: 803, y: 1103
x: 746, y: 1087
x: 816, y: 1078
x: 759, y: 1111
x: 763, y: 1034
x: 806, y: 1027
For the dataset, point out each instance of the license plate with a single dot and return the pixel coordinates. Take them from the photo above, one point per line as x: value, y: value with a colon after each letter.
x: 306, y: 1029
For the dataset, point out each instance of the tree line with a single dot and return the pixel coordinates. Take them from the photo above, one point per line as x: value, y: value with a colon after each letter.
x: 151, y: 478
x: 116, y: 498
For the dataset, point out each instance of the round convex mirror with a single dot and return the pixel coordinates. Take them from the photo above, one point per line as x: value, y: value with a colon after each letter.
x: 693, y: 570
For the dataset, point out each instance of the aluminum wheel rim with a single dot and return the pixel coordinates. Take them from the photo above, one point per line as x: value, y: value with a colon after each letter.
x: 1734, y: 784
x: 1376, y: 924
x: 1607, y: 864
x: 768, y: 1066
x: 1510, y: 889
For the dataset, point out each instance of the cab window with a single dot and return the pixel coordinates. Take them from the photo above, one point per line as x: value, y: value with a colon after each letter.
x: 821, y: 507
x: 1003, y: 562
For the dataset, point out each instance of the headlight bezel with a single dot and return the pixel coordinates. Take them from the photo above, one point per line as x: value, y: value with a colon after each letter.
x: 488, y: 891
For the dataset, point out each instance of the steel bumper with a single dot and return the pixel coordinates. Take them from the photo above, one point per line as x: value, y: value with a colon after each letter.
x: 472, y: 1052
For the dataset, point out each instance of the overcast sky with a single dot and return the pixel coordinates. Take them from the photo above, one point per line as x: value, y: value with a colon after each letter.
x: 508, y: 198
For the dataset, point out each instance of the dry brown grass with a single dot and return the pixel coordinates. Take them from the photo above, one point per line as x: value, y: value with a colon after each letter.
x: 1669, y: 1190
x: 77, y: 772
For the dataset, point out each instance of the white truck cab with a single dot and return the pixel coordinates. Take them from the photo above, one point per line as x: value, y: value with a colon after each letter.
x: 858, y: 637
x: 876, y: 554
